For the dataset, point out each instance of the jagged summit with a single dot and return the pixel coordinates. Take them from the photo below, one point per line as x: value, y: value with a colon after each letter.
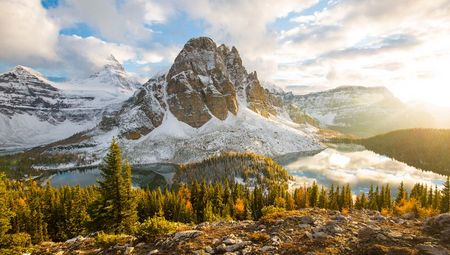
x: 112, y: 77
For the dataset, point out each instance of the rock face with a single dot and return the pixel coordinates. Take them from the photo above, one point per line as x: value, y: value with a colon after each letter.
x: 440, y: 226
x: 140, y: 114
x: 199, y: 85
x: 205, y: 81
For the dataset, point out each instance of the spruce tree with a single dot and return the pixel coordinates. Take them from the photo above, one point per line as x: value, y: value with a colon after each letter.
x: 116, y: 212
x: 445, y: 199
x: 401, y: 193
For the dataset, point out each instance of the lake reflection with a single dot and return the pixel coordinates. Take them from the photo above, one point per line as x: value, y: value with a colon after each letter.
x: 148, y: 175
x: 354, y: 165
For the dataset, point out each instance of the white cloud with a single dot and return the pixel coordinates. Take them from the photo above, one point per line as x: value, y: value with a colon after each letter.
x: 83, y: 56
x: 124, y: 22
x: 402, y: 45
x: 244, y: 24
x: 28, y: 35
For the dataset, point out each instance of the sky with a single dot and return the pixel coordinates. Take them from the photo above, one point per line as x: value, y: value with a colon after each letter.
x: 402, y: 44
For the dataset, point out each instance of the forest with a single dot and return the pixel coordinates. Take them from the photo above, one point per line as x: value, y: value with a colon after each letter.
x: 31, y: 213
x: 426, y: 149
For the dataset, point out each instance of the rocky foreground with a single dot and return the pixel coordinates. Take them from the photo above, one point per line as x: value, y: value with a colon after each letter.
x: 308, y: 231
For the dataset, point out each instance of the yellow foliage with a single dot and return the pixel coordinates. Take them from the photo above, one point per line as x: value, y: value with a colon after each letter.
x: 345, y: 211
x: 385, y: 212
x: 259, y: 237
x: 239, y: 206
x: 22, y: 202
x: 412, y: 205
x: 280, y: 202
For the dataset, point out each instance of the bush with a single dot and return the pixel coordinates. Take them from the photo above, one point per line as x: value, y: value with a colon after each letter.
x: 259, y: 237
x: 20, y: 240
x: 108, y: 240
x: 157, y: 225
x: 267, y: 210
x: 412, y: 205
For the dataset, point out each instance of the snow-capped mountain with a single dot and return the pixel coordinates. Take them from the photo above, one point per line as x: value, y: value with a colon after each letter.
x: 111, y: 78
x: 206, y: 103
x: 31, y: 105
x: 362, y: 111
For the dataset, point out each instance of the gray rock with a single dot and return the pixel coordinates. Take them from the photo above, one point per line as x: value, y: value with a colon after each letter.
x: 153, y: 252
x: 307, y: 220
x: 237, y: 246
x: 230, y: 241
x: 409, y: 216
x: 209, y: 249
x: 187, y: 234
x: 267, y: 248
x: 430, y: 249
x: 320, y: 235
x: 304, y: 226
x: 439, y: 225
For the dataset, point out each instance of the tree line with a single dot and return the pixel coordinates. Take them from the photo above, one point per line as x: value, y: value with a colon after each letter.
x: 31, y: 213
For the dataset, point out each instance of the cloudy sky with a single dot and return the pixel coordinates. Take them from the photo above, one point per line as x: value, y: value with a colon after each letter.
x: 401, y: 44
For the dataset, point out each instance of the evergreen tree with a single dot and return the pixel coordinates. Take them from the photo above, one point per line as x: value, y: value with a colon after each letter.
x: 323, y: 198
x: 445, y: 199
x: 5, y: 213
x: 313, y: 195
x: 116, y: 212
x: 401, y: 193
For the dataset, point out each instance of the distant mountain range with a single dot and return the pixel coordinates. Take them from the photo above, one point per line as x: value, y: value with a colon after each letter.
x: 361, y: 111
x: 206, y: 103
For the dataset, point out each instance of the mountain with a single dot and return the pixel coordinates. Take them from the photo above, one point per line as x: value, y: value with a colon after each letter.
x: 205, y: 104
x: 111, y: 79
x: 31, y: 105
x: 362, y: 111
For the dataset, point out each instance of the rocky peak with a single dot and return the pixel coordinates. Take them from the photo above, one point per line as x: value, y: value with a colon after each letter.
x: 113, y: 64
x: 111, y: 76
x: 24, y: 81
x: 199, y: 85
x: 207, y: 80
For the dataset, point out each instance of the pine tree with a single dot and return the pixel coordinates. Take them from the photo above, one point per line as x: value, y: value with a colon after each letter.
x: 129, y: 213
x: 116, y: 212
x: 314, y: 195
x: 401, y: 193
x: 436, y: 198
x: 445, y: 199
x: 323, y: 198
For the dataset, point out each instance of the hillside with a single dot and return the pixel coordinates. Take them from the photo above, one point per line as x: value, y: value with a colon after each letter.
x: 248, y: 168
x: 306, y: 231
x: 427, y: 149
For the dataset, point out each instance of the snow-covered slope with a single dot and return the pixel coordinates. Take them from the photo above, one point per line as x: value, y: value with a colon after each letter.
x: 360, y: 110
x: 111, y: 84
x: 35, y: 111
x: 207, y: 103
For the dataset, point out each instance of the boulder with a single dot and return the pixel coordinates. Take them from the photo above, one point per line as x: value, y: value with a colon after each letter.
x: 439, y: 225
x: 187, y: 234
x: 430, y: 249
